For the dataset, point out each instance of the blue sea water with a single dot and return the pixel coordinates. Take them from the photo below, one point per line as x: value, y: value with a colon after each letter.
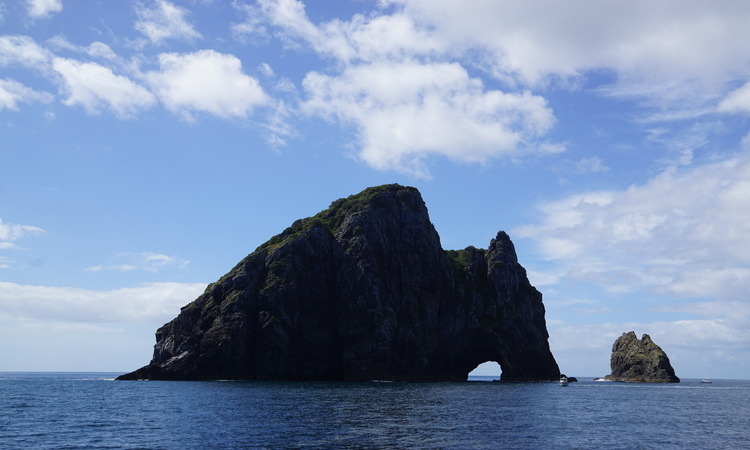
x: 91, y: 410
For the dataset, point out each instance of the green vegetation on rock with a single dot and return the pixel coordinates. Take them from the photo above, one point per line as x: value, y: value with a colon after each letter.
x: 331, y: 218
x: 462, y: 258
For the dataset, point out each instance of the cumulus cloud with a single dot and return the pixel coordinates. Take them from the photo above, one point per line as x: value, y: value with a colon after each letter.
x: 39, y: 9
x: 143, y: 303
x: 682, y: 233
x: 403, y: 95
x: 12, y: 93
x: 163, y: 21
x: 405, y: 112
x: 206, y: 81
x: 148, y: 261
x: 96, y: 87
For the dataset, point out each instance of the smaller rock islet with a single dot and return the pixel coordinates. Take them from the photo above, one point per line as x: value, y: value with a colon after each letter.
x: 640, y: 361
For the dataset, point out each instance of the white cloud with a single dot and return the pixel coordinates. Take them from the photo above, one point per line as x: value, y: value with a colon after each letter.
x: 164, y: 21
x: 12, y: 93
x: 568, y: 170
x: 683, y: 233
x: 641, y: 40
x: 10, y: 233
x: 95, y: 87
x: 405, y: 112
x: 206, y: 81
x: 675, y: 57
x: 737, y: 100
x: 735, y: 313
x: 285, y: 85
x: 362, y: 38
x: 39, y: 9
x: 5, y: 263
x: 277, y: 124
x: 22, y: 50
x: 593, y: 164
x: 147, y: 302
x: 149, y: 261
x: 95, y: 50
x: 253, y: 26
x: 266, y: 70
x: 405, y: 97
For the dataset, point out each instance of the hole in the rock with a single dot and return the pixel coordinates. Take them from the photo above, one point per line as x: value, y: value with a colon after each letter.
x: 487, y: 371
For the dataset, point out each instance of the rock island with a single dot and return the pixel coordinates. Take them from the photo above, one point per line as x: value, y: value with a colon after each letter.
x: 361, y: 291
x: 640, y: 361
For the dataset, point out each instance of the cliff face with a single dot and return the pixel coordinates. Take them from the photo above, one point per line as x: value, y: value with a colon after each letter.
x: 360, y: 291
x: 640, y: 361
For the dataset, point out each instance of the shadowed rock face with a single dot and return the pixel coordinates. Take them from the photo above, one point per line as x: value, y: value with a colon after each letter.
x: 640, y: 361
x: 361, y: 291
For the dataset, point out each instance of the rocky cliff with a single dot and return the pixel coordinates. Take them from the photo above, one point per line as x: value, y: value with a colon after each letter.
x: 640, y: 361
x: 361, y: 291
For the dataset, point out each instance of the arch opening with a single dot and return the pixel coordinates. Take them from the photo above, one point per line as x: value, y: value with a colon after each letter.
x: 486, y: 371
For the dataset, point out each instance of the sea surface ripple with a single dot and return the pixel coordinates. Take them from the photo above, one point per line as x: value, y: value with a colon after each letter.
x: 85, y: 410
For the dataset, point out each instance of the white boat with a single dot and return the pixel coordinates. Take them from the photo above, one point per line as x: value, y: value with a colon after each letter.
x: 563, y: 381
x: 705, y: 380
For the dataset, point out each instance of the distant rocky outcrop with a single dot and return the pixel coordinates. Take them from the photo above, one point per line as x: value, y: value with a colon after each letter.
x: 640, y: 361
x: 361, y: 291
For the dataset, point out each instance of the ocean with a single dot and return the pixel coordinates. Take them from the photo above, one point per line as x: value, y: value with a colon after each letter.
x: 92, y: 411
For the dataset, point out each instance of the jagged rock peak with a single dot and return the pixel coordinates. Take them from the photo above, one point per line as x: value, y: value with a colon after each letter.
x: 362, y: 290
x: 640, y: 361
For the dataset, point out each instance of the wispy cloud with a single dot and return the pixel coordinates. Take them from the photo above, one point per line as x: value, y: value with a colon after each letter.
x: 95, y: 49
x: 11, y: 233
x: 164, y: 21
x: 5, y: 263
x: 683, y: 233
x: 12, y: 93
x: 143, y: 303
x: 593, y: 164
x: 737, y: 100
x: 148, y: 261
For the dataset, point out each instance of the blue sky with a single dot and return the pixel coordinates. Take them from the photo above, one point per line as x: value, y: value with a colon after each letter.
x: 146, y: 147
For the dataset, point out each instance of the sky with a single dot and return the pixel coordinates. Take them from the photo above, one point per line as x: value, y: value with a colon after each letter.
x: 146, y: 147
